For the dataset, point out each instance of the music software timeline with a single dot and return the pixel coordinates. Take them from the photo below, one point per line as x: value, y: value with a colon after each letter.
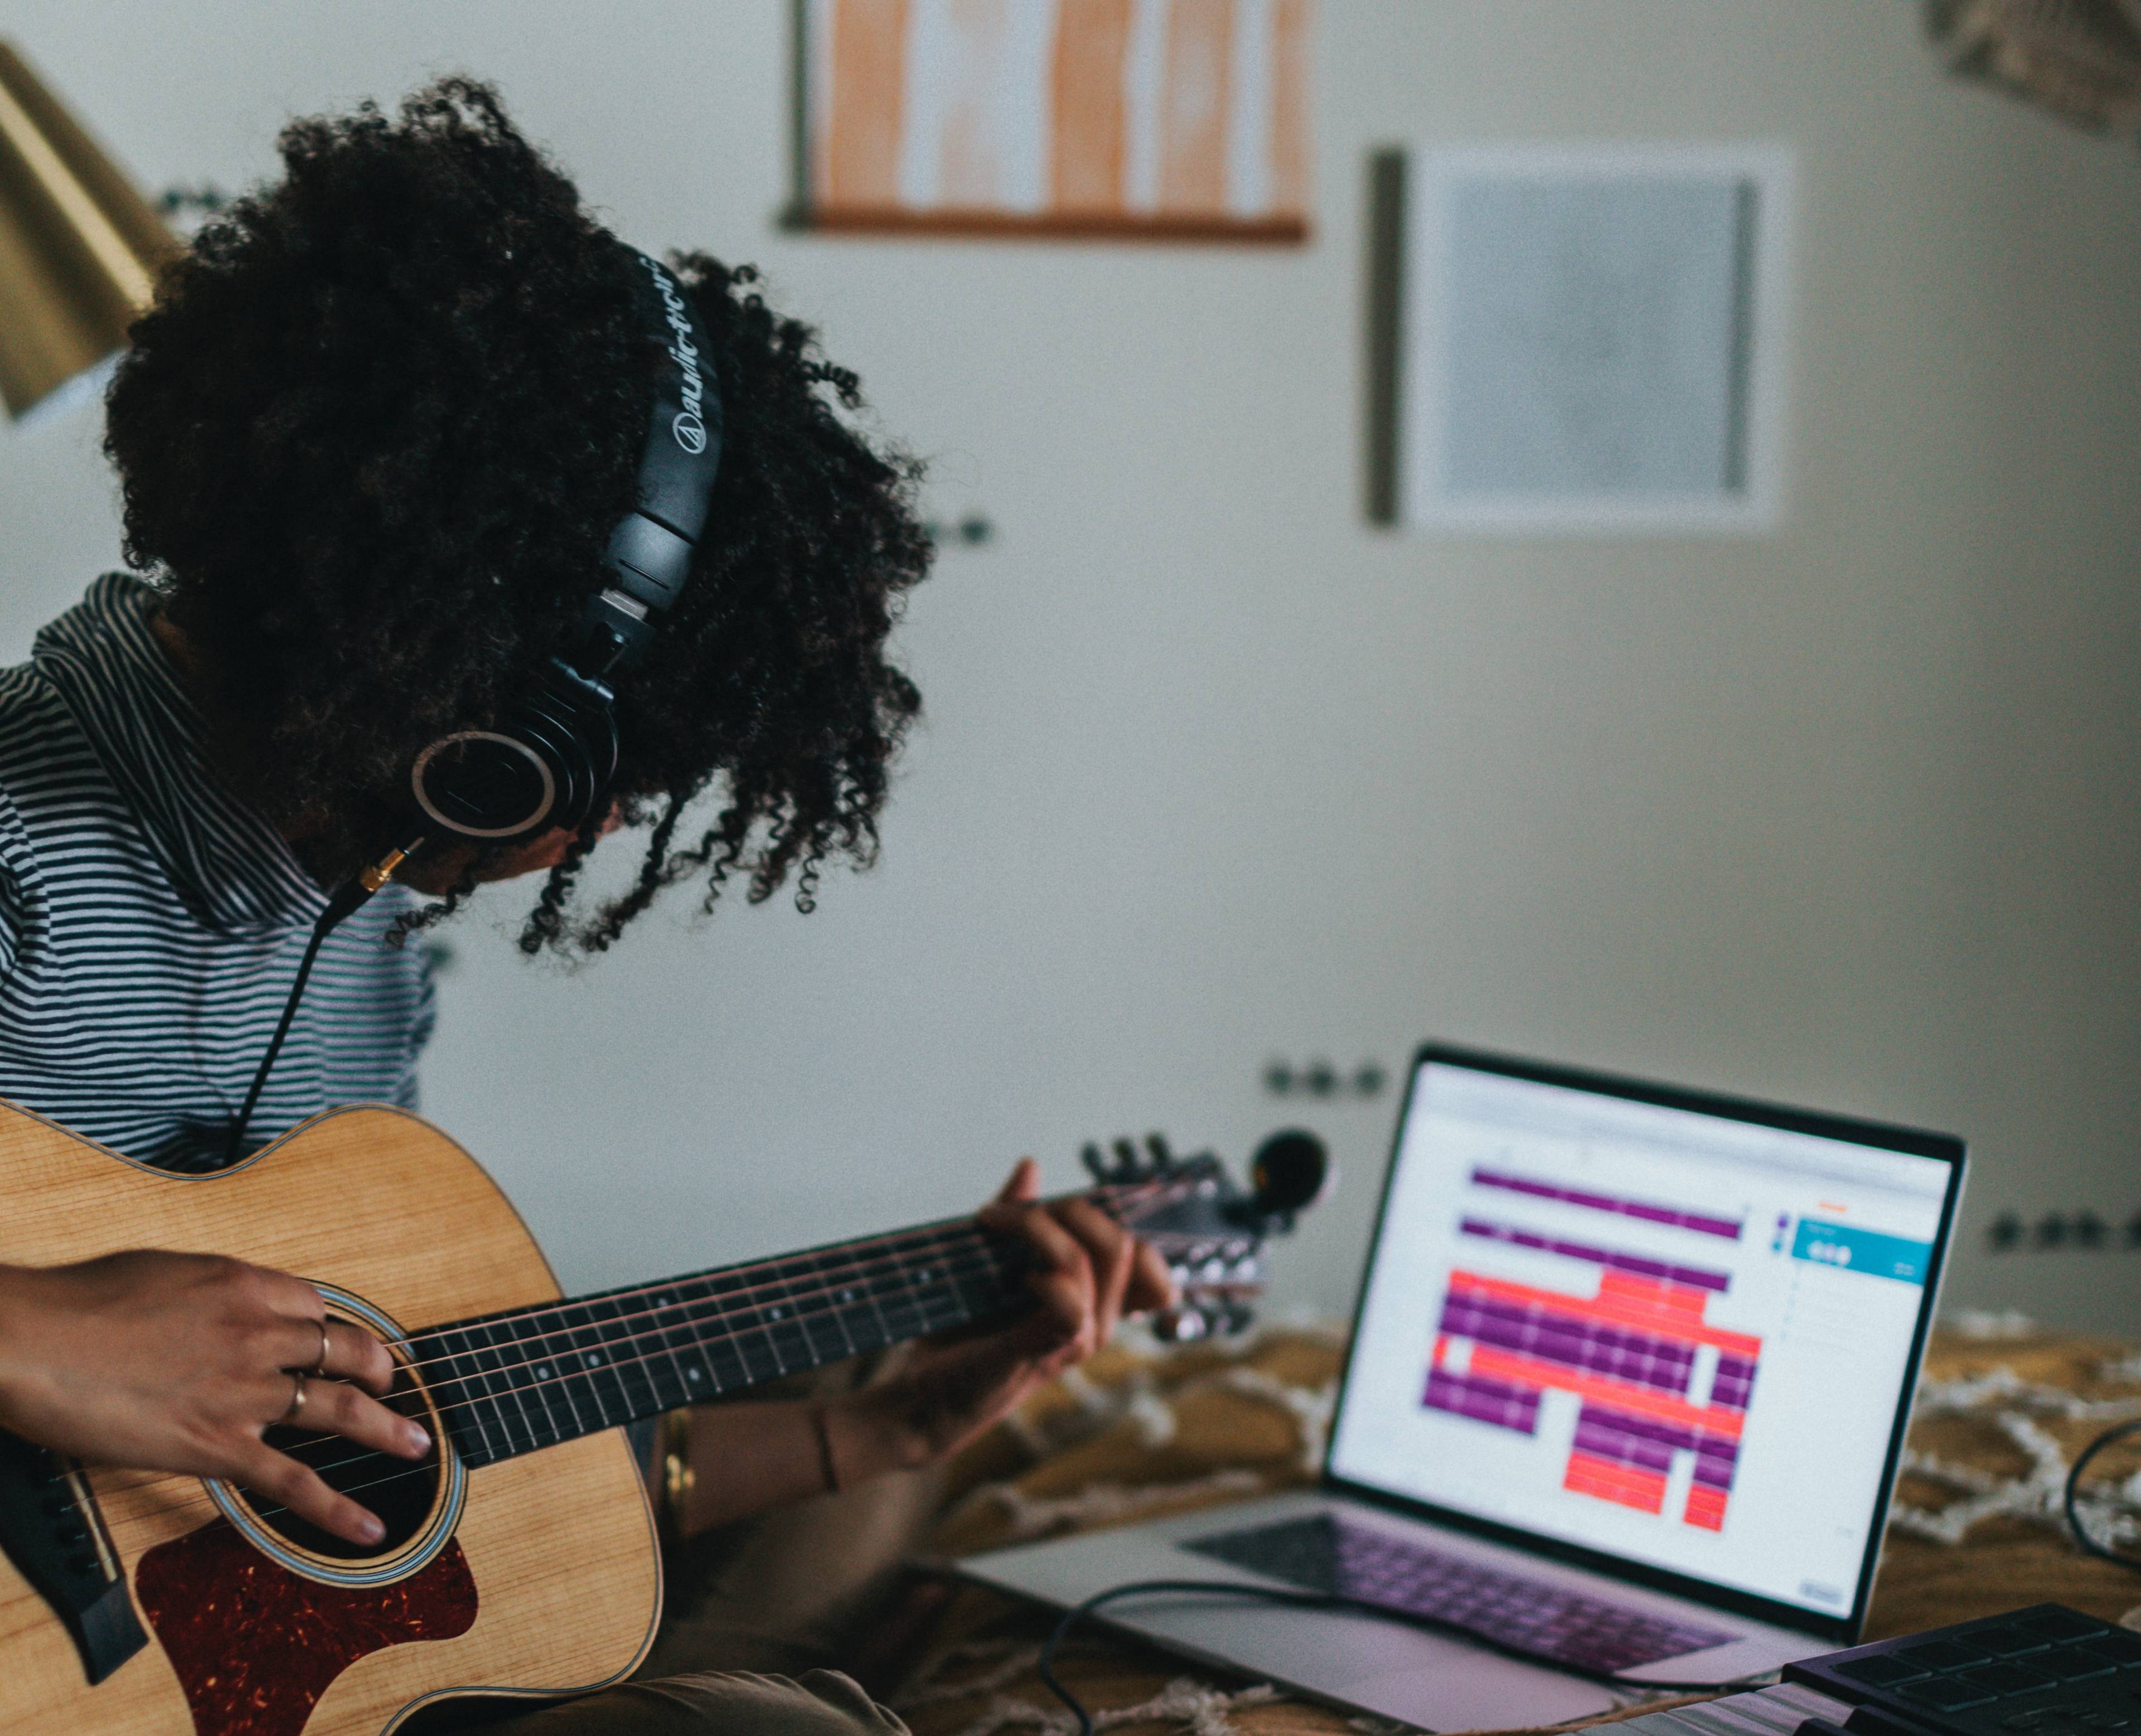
x: 1671, y: 1337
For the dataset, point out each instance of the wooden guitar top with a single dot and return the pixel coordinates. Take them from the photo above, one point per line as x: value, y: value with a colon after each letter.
x: 549, y: 1581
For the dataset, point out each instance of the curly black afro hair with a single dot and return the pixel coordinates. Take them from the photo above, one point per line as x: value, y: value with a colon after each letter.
x: 373, y: 437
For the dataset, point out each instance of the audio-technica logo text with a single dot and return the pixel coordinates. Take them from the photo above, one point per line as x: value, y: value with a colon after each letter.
x: 689, y: 424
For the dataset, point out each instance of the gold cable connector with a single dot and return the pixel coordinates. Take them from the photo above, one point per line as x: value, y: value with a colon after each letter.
x: 382, y: 871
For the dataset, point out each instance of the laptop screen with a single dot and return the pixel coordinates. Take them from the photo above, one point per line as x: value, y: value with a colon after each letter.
x: 1679, y: 1337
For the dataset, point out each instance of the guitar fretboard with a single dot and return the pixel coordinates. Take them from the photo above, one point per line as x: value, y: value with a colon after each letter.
x: 512, y: 1382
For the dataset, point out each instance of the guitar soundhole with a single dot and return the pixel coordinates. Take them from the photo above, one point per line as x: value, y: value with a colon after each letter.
x: 403, y: 1492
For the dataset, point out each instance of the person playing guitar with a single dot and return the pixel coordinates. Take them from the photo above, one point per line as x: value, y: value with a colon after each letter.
x: 373, y: 440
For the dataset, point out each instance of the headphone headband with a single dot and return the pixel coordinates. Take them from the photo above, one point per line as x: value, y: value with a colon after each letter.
x: 649, y: 555
x: 548, y: 763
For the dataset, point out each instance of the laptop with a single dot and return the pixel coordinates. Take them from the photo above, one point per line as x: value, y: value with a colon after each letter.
x: 1628, y: 1382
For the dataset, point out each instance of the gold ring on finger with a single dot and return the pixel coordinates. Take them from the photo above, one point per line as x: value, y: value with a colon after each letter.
x: 296, y: 1405
x: 321, y: 1366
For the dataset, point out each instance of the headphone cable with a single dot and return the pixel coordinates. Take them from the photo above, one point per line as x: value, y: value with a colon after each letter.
x: 350, y: 898
x: 2071, y: 1501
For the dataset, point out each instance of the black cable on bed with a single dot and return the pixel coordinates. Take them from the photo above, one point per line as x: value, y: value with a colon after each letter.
x: 2082, y: 1460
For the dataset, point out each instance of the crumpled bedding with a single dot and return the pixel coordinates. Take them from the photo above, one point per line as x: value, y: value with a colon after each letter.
x: 1142, y: 1431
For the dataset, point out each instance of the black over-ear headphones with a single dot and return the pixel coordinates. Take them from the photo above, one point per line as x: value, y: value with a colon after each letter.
x: 547, y: 764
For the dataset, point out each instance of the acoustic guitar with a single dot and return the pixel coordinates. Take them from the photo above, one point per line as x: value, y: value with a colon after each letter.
x: 519, y: 1557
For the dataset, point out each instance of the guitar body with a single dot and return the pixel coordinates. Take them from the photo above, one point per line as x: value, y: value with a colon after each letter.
x: 541, y: 1577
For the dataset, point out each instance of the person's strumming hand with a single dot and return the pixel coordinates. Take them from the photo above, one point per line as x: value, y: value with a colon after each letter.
x: 1088, y: 1271
x: 180, y: 1362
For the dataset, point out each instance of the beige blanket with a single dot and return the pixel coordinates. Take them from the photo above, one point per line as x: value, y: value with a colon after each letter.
x: 1137, y: 1434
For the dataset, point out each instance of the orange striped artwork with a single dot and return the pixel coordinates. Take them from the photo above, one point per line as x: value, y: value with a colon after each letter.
x: 1289, y: 104
x: 1143, y: 119
x: 1086, y: 162
x: 859, y: 151
x: 1193, y: 148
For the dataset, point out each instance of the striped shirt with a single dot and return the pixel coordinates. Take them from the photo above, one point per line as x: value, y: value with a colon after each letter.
x: 150, y: 923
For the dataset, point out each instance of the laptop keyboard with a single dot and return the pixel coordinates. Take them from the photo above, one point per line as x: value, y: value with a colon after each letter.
x: 1324, y: 1553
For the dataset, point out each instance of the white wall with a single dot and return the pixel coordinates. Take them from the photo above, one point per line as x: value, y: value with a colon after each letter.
x: 1215, y: 773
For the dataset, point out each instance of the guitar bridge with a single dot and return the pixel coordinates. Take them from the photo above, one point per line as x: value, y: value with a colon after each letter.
x: 50, y: 1529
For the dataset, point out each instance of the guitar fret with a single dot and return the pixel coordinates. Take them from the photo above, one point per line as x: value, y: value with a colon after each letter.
x: 530, y: 1405
x: 909, y: 1318
x: 745, y: 1330
x: 911, y: 1279
x: 717, y: 1336
x: 628, y: 1360
x: 830, y: 1264
x: 499, y: 1385
x: 955, y: 1258
x: 461, y: 1401
x: 787, y: 1323
x: 799, y: 1315
x: 590, y: 1358
x: 854, y: 1295
x: 548, y: 1407
x: 939, y: 1274
x: 766, y: 1319
x: 549, y: 1374
x: 677, y: 1381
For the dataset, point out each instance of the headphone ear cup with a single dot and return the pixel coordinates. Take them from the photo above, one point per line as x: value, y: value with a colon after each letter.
x: 543, y: 767
x: 576, y: 727
x: 555, y: 737
x: 494, y: 786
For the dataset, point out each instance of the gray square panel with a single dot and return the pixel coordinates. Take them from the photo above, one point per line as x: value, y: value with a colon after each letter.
x: 1596, y: 336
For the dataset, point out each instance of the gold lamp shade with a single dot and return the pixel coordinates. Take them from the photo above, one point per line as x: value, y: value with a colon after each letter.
x: 80, y: 247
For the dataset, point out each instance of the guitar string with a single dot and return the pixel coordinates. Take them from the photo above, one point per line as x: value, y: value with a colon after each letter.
x: 927, y: 1245
x: 402, y: 1471
x: 467, y: 1382
x: 960, y: 1267
x: 1120, y: 1195
x: 954, y: 1273
x: 955, y: 1266
x: 965, y: 1231
x: 124, y: 1529
x: 126, y: 1532
x: 270, y: 1510
x: 926, y: 1238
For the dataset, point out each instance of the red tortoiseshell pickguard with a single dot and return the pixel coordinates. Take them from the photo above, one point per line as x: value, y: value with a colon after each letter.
x: 255, y: 1645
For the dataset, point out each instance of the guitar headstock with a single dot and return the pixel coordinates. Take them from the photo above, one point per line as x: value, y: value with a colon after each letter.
x: 1210, y: 1229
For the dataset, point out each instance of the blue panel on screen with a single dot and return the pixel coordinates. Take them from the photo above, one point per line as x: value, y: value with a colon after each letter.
x: 1861, y: 1250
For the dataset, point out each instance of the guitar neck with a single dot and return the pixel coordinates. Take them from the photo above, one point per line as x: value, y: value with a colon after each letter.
x: 513, y: 1383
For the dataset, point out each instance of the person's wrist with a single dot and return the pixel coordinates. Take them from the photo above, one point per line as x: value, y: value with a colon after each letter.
x: 865, y: 1434
x: 19, y: 1337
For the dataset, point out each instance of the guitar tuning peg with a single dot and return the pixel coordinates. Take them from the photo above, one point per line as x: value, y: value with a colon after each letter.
x: 1126, y: 1161
x: 1090, y: 1157
x: 1163, y: 1159
x: 1180, y: 1325
x: 1289, y: 1172
x: 1238, y: 1317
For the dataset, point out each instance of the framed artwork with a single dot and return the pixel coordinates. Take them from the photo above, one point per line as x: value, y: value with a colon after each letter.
x: 1159, y: 119
x: 1579, y: 338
